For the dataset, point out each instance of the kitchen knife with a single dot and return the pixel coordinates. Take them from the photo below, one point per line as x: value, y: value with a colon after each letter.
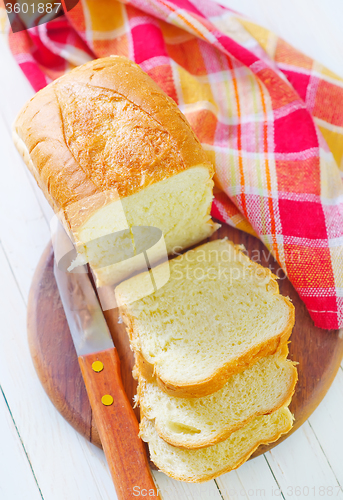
x: 100, y: 367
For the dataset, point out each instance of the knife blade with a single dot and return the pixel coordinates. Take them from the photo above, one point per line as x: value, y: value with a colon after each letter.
x: 100, y: 367
x: 85, y: 318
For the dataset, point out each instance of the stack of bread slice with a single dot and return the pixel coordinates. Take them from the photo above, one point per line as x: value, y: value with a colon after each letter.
x: 211, y: 360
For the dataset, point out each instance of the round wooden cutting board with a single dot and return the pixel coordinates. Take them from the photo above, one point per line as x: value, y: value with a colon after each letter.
x: 318, y: 352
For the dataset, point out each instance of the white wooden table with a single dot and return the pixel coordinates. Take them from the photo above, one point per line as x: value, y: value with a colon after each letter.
x: 41, y: 456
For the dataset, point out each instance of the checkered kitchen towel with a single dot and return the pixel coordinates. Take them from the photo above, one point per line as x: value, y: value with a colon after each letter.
x: 270, y: 118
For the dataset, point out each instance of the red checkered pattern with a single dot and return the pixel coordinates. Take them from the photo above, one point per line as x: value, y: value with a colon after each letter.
x: 270, y: 118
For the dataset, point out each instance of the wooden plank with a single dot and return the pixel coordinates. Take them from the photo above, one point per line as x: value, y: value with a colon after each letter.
x: 326, y: 424
x: 23, y: 224
x: 176, y: 490
x: 252, y: 480
x: 302, y: 469
x: 17, y: 90
x: 17, y: 479
x: 23, y: 228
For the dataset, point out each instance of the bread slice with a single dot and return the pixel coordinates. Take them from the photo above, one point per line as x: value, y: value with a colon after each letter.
x: 198, y: 422
x: 208, y: 463
x: 218, y: 314
x: 111, y: 151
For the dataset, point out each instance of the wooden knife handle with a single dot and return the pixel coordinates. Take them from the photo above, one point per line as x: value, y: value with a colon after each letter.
x: 117, y: 426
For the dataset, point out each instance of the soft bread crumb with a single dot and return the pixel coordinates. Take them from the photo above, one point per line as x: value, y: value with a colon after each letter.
x: 179, y: 206
x: 216, y: 316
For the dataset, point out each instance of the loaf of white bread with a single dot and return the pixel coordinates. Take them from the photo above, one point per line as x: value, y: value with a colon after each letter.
x: 111, y: 151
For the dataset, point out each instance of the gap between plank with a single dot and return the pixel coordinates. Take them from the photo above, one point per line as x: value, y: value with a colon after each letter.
x: 12, y: 272
x: 26, y: 454
x: 333, y: 472
x: 218, y: 488
x: 272, y: 472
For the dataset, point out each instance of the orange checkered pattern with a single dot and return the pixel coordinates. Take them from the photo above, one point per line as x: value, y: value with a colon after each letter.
x: 270, y: 118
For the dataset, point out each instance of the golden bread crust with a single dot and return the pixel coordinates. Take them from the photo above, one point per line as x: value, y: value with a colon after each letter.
x: 227, y: 431
x: 201, y: 479
x: 104, y: 126
x: 219, y: 379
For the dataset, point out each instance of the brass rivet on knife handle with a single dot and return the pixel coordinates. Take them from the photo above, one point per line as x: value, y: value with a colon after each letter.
x: 107, y: 400
x: 97, y: 366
